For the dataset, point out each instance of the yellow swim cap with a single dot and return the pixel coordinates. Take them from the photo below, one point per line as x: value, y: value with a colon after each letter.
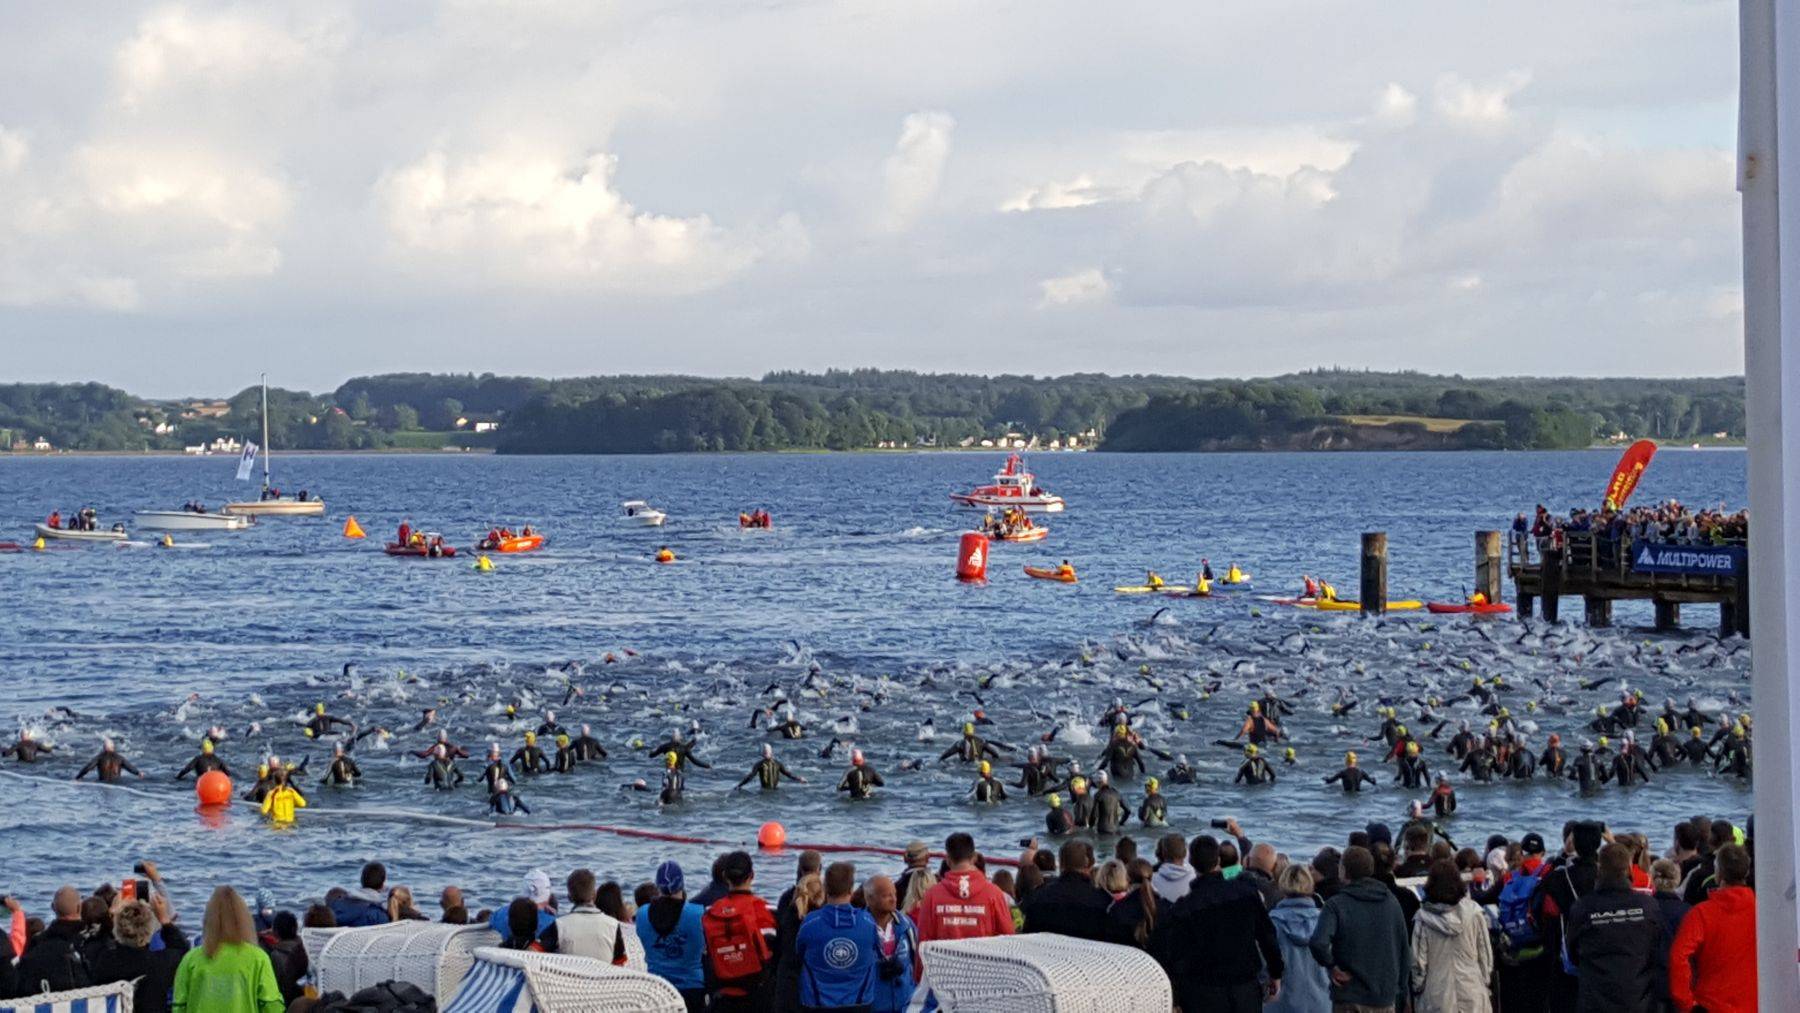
x: 1289, y: 752
x: 1350, y: 757
x: 1120, y: 729
x: 1412, y: 749
x: 530, y: 738
x: 206, y: 746
x: 671, y: 759
x: 1250, y: 750
x: 562, y: 740
x: 319, y: 708
x: 1255, y: 708
x: 986, y: 768
x: 1152, y: 784
x: 1055, y: 801
x: 968, y: 728
x: 262, y: 770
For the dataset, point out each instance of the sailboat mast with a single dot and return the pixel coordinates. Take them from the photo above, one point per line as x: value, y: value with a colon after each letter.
x: 265, y: 422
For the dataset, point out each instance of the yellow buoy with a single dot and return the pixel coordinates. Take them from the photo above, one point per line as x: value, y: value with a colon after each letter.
x: 39, y: 544
x: 351, y: 528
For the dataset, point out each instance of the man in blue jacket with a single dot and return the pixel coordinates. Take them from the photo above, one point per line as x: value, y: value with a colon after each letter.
x: 838, y: 950
x: 366, y: 906
x: 674, y: 940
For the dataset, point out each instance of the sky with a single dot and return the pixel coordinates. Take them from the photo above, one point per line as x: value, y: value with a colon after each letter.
x: 193, y: 193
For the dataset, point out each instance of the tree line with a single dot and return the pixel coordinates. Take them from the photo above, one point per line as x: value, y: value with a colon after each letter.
x: 852, y: 409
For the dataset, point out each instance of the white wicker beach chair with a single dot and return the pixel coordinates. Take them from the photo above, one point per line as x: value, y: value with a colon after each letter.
x: 430, y: 955
x: 1042, y: 973
x: 115, y: 998
x: 512, y: 981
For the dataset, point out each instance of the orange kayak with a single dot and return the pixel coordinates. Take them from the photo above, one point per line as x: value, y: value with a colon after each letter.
x: 1049, y: 573
x: 517, y: 543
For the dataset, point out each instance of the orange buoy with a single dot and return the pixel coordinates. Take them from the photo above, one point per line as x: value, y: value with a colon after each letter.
x: 771, y: 835
x: 972, y: 556
x: 351, y: 528
x: 213, y: 788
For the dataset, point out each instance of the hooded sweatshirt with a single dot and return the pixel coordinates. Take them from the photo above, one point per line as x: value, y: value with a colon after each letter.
x: 1452, y: 959
x: 1305, y: 985
x: 838, y: 950
x: 359, y: 908
x: 1363, y: 932
x: 673, y: 941
x: 963, y: 905
x: 1712, y: 962
x: 1171, y: 880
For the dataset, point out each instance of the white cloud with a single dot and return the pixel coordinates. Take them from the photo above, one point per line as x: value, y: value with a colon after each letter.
x: 1396, y: 107
x: 1089, y: 286
x: 911, y: 175
x: 177, y: 47
x: 536, y: 220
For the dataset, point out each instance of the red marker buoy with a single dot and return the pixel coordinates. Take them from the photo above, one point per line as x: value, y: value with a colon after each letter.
x: 771, y: 835
x: 972, y: 556
x: 213, y: 788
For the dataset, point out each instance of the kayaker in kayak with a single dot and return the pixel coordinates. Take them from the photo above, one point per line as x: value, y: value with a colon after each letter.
x: 1153, y: 580
x: 1234, y: 575
x: 1309, y: 586
x: 665, y: 555
x: 1066, y: 570
x: 1205, y: 569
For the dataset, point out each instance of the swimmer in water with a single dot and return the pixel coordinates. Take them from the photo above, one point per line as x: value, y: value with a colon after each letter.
x: 587, y: 748
x: 1352, y: 777
x: 529, y: 759
x: 27, y: 749
x: 970, y: 748
x: 1109, y: 811
x: 108, y: 765
x: 204, y: 763
x: 564, y: 760
x: 502, y: 801
x: 1154, y: 811
x: 769, y: 771
x: 682, y: 748
x: 1121, y: 754
x: 788, y: 728
x: 1412, y: 771
x: 454, y: 751
x: 1182, y: 772
x: 861, y: 780
x: 320, y: 722
x: 1255, y: 769
x: 343, y: 771
x: 442, y: 774
x: 495, y: 769
x: 987, y: 789
x: 550, y: 729
x: 674, y: 782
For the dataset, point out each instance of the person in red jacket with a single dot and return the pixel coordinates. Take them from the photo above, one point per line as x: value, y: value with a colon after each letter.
x: 1712, y: 963
x: 963, y: 905
x: 740, y: 936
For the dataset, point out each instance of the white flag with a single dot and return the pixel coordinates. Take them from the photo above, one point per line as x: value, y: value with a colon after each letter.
x: 247, y: 462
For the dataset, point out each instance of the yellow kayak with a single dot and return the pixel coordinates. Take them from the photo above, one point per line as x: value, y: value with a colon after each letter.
x: 1148, y: 589
x: 1352, y: 606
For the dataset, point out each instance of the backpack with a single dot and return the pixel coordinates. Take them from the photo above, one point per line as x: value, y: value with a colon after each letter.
x: 735, y: 947
x: 1515, y: 910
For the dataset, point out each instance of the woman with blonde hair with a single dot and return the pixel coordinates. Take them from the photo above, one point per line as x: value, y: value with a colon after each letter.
x: 400, y: 906
x: 229, y: 972
x: 809, y: 896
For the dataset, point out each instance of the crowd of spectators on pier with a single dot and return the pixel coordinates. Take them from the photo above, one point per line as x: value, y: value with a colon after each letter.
x: 1595, y: 919
x: 1669, y: 522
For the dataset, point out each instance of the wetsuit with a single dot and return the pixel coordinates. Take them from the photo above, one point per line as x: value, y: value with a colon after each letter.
x: 1479, y: 764
x: 550, y: 730
x: 587, y: 747
x: 317, y: 725
x: 107, y: 767
x: 343, y: 771
x: 789, y: 729
x: 564, y: 760
x: 1443, y: 802
x: 1110, y: 811
x: 505, y: 803
x: 1036, y: 777
x: 1081, y: 809
x: 1552, y: 760
x: 988, y: 789
x: 443, y: 774
x: 1665, y: 751
x: 1735, y: 758
x: 674, y: 782
x: 201, y: 764
x: 1694, y: 750
x: 26, y: 750
x: 1630, y: 767
x: 1351, y: 777
x: 1461, y: 744
x: 769, y: 771
x: 1521, y: 765
x: 1254, y: 770
x: 1412, y: 772
x: 454, y: 751
x: 1260, y: 729
x: 1058, y: 822
x: 492, y: 773
x: 969, y: 749
x: 684, y: 753
x: 1388, y: 733
x: 1154, y: 812
x: 1119, y: 757
x: 1587, y: 772
x: 860, y: 782
x: 1626, y: 715
x: 1274, y: 706
x: 1181, y: 773
x: 530, y: 760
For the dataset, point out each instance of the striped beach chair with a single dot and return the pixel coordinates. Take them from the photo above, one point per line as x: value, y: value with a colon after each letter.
x: 512, y: 981
x: 114, y: 998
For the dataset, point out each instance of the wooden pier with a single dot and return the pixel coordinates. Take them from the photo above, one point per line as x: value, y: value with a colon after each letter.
x: 1599, y: 571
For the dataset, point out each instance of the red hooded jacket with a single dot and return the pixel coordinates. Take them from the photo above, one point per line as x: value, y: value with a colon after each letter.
x: 1713, y: 960
x: 963, y: 905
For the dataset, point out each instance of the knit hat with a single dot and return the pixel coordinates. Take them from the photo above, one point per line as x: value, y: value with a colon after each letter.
x: 669, y: 878
x: 1532, y: 843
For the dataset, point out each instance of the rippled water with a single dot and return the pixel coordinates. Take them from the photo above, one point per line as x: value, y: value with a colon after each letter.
x: 855, y: 578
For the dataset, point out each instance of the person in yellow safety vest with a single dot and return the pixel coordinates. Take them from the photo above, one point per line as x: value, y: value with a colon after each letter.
x: 1478, y: 598
x: 1201, y: 584
x: 665, y: 555
x: 281, y: 801
x: 1326, y: 591
x: 1152, y: 578
x: 1234, y: 575
x: 1065, y: 570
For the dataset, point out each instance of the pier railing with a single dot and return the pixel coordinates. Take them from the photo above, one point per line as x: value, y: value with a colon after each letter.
x: 1598, y: 568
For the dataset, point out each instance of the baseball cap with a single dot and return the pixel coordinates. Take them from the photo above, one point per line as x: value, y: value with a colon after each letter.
x: 537, y: 886
x: 1532, y: 843
x: 669, y: 878
x: 917, y: 851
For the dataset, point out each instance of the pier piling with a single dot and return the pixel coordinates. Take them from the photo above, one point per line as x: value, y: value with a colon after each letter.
x: 1668, y: 614
x: 1488, y: 566
x: 1373, y: 592
x: 1552, y: 584
x: 1598, y: 611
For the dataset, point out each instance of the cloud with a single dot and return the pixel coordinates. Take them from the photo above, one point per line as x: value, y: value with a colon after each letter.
x: 536, y: 220
x: 1089, y: 286
x: 911, y: 175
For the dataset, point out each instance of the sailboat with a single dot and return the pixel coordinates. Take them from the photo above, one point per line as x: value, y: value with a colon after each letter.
x: 270, y: 505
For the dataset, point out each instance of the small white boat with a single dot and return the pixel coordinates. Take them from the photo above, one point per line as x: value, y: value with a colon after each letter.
x: 189, y: 520
x: 114, y: 534
x: 270, y: 504
x: 643, y: 514
x: 1013, y: 487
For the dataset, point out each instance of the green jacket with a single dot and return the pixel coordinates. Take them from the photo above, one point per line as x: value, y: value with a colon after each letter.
x: 239, y: 979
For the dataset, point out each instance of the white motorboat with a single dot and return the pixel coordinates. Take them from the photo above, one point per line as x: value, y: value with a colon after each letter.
x: 271, y: 503
x: 642, y: 514
x: 1013, y: 487
x: 114, y: 534
x: 190, y: 520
